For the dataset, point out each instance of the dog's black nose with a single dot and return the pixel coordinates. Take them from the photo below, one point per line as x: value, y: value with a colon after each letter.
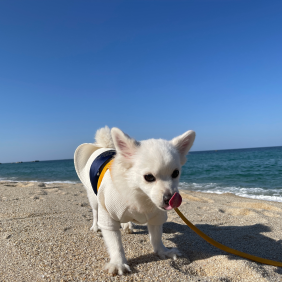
x: 167, y: 197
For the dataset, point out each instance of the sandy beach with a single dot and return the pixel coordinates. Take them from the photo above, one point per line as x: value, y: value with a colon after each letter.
x: 45, y: 236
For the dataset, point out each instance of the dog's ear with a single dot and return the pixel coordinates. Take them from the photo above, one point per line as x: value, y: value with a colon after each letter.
x: 183, y: 143
x: 124, y: 145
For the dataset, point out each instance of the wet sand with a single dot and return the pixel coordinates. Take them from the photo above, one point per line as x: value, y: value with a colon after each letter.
x: 45, y: 236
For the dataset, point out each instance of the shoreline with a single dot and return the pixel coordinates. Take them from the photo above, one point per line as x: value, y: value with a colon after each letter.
x: 45, y: 236
x: 268, y: 198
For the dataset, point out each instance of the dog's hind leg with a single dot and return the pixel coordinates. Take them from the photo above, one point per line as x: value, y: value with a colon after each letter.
x: 127, y: 227
x: 94, y: 205
x: 95, y: 227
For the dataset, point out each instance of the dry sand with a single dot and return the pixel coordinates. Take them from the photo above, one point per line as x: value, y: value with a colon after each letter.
x: 45, y: 236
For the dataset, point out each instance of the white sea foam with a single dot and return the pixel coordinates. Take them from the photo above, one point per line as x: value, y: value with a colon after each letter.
x: 69, y: 182
x: 52, y: 182
x: 11, y: 179
x: 14, y: 179
x: 254, y: 193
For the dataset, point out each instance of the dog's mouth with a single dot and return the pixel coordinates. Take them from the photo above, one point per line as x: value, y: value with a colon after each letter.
x: 174, y: 202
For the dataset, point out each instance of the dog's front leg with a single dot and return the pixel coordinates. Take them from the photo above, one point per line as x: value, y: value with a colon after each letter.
x: 155, y: 232
x: 118, y: 262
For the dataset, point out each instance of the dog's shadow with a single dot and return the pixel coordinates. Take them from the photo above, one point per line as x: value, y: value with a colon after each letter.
x: 140, y: 229
x: 249, y: 239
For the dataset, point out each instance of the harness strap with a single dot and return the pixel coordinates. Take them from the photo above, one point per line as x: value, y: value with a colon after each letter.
x: 224, y: 248
x: 106, y: 167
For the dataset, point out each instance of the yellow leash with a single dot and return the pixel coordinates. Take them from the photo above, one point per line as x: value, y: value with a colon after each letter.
x: 224, y: 248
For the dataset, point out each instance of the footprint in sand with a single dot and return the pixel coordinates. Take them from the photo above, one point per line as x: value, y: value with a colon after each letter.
x: 52, y: 190
x: 240, y: 212
x: 256, y: 206
x: 251, y: 209
x: 196, y: 199
x: 41, y: 192
x: 270, y: 214
x: 37, y: 194
x: 24, y: 185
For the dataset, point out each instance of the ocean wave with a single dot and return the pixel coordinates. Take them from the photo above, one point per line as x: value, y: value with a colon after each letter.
x: 69, y: 182
x: 274, y: 195
x: 11, y: 179
x: 15, y: 179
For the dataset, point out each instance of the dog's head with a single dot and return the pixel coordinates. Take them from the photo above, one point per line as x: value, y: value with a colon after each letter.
x: 154, y: 166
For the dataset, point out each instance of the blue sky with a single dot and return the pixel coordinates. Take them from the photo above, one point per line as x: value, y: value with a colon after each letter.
x: 152, y: 68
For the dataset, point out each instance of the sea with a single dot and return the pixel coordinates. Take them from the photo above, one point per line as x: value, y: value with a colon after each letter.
x: 253, y: 173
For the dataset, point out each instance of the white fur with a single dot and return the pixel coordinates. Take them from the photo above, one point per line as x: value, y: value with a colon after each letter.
x: 103, y: 138
x: 132, y: 161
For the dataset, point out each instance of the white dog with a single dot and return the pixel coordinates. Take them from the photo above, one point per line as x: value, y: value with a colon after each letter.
x: 140, y: 185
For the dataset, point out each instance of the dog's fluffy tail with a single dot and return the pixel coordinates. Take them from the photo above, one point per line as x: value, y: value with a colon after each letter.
x: 103, y: 138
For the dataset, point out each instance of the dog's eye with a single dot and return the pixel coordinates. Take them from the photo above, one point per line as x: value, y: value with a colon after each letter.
x: 149, y: 177
x: 175, y: 173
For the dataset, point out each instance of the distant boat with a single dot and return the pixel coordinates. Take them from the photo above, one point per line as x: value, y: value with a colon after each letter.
x: 18, y: 162
x: 35, y: 161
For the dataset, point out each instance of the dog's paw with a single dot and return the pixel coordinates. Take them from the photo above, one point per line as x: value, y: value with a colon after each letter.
x: 169, y: 253
x: 95, y: 228
x: 127, y: 227
x: 117, y: 268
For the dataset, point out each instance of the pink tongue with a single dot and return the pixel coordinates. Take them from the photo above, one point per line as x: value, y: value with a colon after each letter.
x: 174, y: 202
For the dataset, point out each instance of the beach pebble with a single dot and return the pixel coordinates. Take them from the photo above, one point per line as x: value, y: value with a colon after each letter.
x: 41, y: 184
x: 7, y: 236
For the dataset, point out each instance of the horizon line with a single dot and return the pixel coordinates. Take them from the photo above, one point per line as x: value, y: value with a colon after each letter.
x: 189, y: 152
x: 234, y: 149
